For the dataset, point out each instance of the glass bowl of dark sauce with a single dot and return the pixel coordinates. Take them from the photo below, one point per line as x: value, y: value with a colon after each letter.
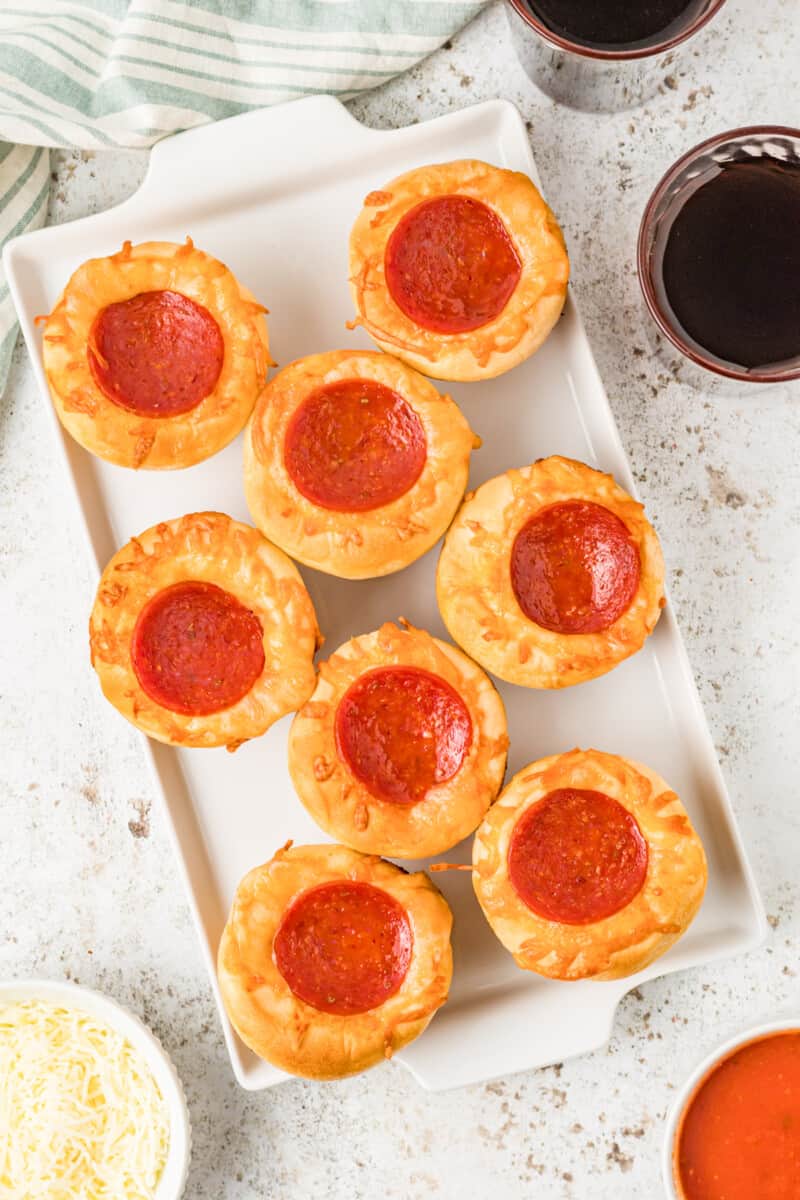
x: 616, y: 26
x: 604, y: 55
x: 719, y: 255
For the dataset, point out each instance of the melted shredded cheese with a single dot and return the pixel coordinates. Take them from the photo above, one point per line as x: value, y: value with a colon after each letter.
x: 81, y: 1116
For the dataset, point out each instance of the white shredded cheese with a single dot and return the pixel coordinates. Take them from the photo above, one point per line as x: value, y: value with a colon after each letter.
x: 81, y: 1116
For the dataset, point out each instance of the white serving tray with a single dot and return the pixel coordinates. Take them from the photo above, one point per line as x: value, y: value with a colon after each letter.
x: 273, y: 194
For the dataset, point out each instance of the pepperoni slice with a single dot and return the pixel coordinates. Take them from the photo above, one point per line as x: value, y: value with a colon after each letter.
x: 450, y: 264
x: 577, y: 856
x: 157, y: 355
x: 354, y: 445
x: 344, y: 948
x: 574, y: 567
x: 195, y: 649
x: 401, y: 731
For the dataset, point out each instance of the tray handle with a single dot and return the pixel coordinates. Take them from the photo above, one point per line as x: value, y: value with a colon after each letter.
x: 206, y: 158
x: 497, y: 1037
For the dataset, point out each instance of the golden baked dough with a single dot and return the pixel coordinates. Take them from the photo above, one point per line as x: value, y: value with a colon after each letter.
x: 429, y: 441
x: 631, y: 937
x: 297, y: 1036
x: 477, y: 598
x: 507, y: 336
x: 261, y: 585
x: 468, y: 758
x: 133, y: 438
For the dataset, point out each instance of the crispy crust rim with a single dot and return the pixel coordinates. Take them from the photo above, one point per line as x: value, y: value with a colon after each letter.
x: 342, y: 806
x: 640, y: 932
x: 157, y: 443
x: 528, y: 317
x: 212, y: 548
x: 473, y: 580
x: 358, y: 545
x: 286, y: 1031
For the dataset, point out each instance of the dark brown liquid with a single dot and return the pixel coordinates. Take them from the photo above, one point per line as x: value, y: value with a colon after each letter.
x: 617, y: 24
x: 731, y: 268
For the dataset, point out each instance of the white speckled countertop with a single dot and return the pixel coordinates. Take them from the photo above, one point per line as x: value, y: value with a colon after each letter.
x: 90, y: 891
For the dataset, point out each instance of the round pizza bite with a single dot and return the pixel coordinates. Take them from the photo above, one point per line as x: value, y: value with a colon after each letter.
x: 402, y: 747
x: 588, y: 867
x: 202, y: 632
x: 355, y: 464
x: 332, y: 960
x: 155, y: 355
x: 458, y: 268
x: 550, y: 575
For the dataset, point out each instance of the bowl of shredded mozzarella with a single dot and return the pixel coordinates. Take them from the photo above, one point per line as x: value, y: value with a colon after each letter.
x: 91, y: 1106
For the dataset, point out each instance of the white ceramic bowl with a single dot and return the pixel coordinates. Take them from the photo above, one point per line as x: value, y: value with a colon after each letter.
x: 751, y: 1034
x: 70, y: 995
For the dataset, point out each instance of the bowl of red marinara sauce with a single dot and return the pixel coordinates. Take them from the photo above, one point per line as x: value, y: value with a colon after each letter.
x: 733, y: 1132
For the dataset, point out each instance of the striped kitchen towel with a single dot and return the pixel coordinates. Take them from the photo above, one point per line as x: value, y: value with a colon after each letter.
x: 98, y: 74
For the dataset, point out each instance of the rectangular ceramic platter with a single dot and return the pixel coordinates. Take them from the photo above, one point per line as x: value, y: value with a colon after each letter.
x: 274, y: 194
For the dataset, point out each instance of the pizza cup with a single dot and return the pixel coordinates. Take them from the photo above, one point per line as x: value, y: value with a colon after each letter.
x: 459, y: 268
x: 155, y: 355
x: 331, y: 960
x: 588, y: 867
x: 355, y: 464
x: 402, y: 747
x: 550, y: 575
x: 202, y: 632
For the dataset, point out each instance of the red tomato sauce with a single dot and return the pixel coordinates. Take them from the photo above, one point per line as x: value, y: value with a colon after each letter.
x: 574, y: 567
x: 195, y: 649
x: 739, y: 1138
x: 354, y: 445
x: 450, y: 264
x: 158, y: 354
x: 577, y: 856
x: 344, y: 948
x: 401, y: 732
